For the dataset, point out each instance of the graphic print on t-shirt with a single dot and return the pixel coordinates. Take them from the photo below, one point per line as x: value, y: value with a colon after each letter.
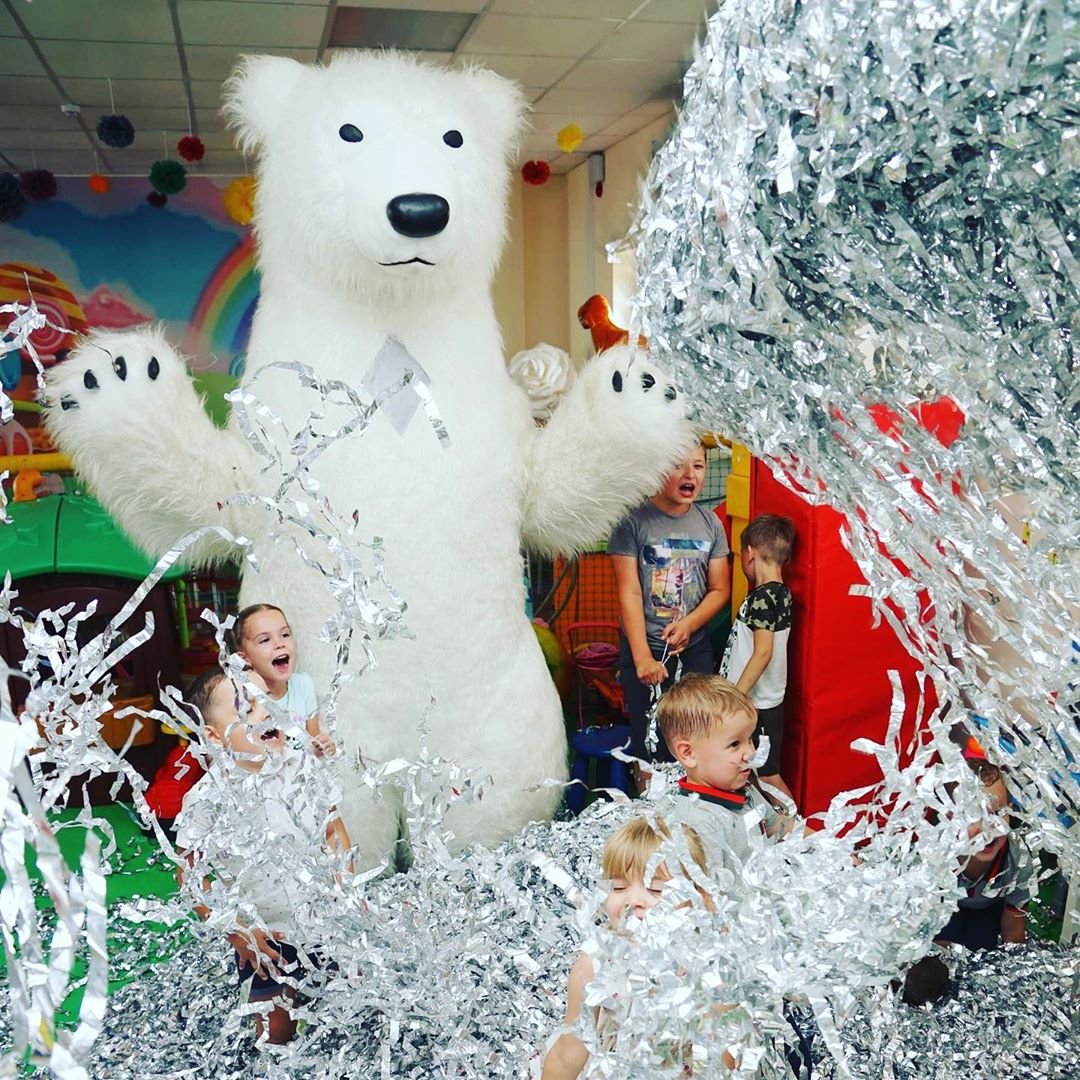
x: 674, y: 580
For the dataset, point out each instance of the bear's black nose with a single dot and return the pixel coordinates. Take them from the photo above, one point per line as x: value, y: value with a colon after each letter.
x: 418, y: 215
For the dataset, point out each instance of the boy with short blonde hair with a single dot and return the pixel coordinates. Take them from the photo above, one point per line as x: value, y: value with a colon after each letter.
x: 709, y: 725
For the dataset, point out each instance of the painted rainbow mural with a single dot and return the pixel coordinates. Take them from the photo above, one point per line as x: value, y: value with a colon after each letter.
x: 226, y: 305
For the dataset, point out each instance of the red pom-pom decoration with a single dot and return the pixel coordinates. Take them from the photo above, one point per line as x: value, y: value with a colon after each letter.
x: 37, y: 184
x: 157, y: 200
x: 191, y: 148
x: 98, y: 183
x: 535, y: 172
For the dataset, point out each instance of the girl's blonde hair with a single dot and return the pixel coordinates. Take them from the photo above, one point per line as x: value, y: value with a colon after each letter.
x: 630, y: 847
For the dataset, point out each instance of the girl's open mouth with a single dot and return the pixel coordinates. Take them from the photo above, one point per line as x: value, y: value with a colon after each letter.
x: 280, y: 662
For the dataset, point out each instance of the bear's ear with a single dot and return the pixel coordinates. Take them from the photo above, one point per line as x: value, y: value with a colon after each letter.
x: 256, y: 94
x: 502, y: 105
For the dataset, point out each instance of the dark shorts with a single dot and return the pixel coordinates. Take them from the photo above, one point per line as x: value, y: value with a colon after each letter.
x: 267, y: 987
x: 770, y: 722
x: 697, y: 657
x: 975, y: 928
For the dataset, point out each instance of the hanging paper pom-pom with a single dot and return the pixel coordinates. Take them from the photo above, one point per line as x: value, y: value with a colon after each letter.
x: 98, y: 183
x: 168, y: 176
x: 157, y: 199
x: 37, y: 184
x: 239, y: 199
x: 115, y: 130
x: 535, y: 172
x: 191, y: 148
x: 12, y: 199
x: 570, y: 138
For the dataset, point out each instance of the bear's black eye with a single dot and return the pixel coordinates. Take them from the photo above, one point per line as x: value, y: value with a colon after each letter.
x: 453, y: 138
x: 350, y: 133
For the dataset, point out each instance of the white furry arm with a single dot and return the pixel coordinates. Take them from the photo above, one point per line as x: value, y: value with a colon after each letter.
x: 123, y: 407
x: 609, y: 444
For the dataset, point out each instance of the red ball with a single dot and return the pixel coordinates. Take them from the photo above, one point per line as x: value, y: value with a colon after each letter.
x: 191, y: 148
x: 535, y: 172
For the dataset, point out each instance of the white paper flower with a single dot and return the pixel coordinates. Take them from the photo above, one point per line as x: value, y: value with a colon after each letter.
x: 545, y: 373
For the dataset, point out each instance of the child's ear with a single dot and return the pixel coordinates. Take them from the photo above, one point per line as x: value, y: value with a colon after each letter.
x: 684, y: 752
x: 213, y: 735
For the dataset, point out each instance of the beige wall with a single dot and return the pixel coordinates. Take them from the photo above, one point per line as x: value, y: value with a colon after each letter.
x: 556, y: 251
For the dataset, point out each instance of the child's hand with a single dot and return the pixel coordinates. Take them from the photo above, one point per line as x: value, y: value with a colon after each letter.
x: 676, y: 635
x: 323, y: 745
x: 651, y: 672
x: 261, y: 955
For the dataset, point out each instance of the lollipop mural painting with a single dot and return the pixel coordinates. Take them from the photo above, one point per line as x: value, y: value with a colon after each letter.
x: 817, y: 238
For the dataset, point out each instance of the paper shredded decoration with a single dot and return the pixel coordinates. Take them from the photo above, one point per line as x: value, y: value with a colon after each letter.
x: 168, y: 176
x: 115, y: 130
x: 570, y: 138
x: 38, y: 185
x: 98, y: 183
x: 191, y: 148
x: 535, y: 172
x: 12, y: 199
x: 238, y: 199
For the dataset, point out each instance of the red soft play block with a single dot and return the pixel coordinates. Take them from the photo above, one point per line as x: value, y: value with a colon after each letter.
x: 838, y: 662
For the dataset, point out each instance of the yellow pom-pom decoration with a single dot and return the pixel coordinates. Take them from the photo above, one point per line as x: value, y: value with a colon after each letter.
x: 570, y: 138
x: 239, y: 199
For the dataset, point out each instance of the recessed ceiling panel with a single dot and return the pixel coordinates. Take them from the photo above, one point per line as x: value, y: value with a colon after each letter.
x: 392, y: 28
x: 251, y: 25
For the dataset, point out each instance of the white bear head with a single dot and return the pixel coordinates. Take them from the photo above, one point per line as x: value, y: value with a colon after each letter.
x: 379, y: 174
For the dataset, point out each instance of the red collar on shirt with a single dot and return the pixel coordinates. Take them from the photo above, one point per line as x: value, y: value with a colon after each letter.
x: 733, y: 800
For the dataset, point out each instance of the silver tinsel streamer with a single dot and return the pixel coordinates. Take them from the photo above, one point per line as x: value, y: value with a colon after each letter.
x: 865, y: 207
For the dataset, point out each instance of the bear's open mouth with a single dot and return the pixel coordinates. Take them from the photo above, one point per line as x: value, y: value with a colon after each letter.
x: 406, y: 262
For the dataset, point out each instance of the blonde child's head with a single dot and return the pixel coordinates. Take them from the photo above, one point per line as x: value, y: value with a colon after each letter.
x: 627, y: 855
x: 708, y: 725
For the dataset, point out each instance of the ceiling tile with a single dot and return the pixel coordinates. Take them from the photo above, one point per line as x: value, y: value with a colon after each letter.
x: 15, y: 140
x: 530, y: 36
x: 573, y: 9
x: 72, y: 59
x: 27, y: 90
x: 550, y: 124
x: 8, y: 27
x: 683, y: 11
x: 17, y: 58
x: 598, y: 102
x: 596, y: 143
x: 99, y: 20
x: 206, y: 93
x: 217, y: 61
x: 654, y: 108
x: 648, y: 41
x: 40, y: 117
x: 93, y: 94
x: 637, y: 75
x: 251, y: 25
x: 419, y: 5
x: 530, y: 70
x: 626, y: 125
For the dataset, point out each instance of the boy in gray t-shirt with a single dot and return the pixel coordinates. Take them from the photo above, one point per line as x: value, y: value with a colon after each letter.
x: 672, y: 576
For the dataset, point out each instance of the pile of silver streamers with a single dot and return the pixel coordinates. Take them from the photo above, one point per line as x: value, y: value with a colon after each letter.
x: 859, y: 207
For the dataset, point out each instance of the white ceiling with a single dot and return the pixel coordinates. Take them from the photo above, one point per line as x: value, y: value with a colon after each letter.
x: 610, y: 66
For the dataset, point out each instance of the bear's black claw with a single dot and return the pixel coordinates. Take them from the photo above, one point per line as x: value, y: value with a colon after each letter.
x: 120, y: 367
x: 153, y: 369
x: 616, y: 381
x: 647, y: 381
x: 671, y: 393
x: 69, y: 403
x: 89, y: 380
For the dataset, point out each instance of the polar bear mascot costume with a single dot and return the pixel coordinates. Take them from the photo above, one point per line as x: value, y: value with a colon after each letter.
x: 380, y: 216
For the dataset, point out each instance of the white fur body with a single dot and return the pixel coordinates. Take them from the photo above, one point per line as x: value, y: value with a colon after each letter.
x: 452, y: 519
